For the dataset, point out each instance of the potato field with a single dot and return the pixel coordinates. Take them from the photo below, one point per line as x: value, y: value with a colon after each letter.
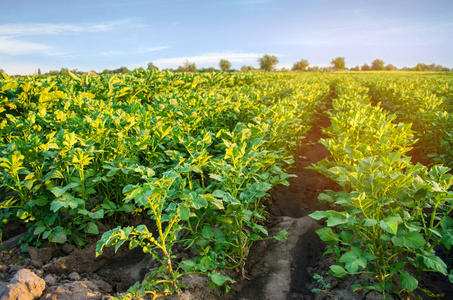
x: 188, y: 168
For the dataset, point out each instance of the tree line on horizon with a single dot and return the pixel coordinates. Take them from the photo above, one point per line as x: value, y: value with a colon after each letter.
x: 266, y: 63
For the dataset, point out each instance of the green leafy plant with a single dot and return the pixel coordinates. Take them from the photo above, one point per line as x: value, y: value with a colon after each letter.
x: 325, y: 287
x: 393, y: 212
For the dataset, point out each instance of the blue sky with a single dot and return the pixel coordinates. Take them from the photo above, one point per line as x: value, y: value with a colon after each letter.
x: 107, y: 34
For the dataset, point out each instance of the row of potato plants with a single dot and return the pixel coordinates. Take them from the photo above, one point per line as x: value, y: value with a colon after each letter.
x: 394, y: 214
x: 424, y: 101
x: 194, y: 152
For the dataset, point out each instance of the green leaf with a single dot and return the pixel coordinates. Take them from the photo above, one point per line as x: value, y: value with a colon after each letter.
x: 59, y: 191
x: 200, y: 201
x: 356, y: 287
x: 207, y: 232
x: 408, y: 282
x: 58, y: 235
x: 318, y: 215
x: 390, y: 225
x: 370, y: 222
x: 420, y: 194
x: 281, y: 236
x: 65, y: 201
x: 41, y: 200
x: 346, y: 236
x: 188, y: 265
x: 328, y: 236
x: 447, y: 223
x: 432, y: 262
x: 338, y: 271
x: 216, y: 177
x: 184, y: 213
x: 92, y: 228
x: 40, y: 229
x: 352, y: 261
x: 259, y: 228
x: 73, y: 76
x: 219, y: 281
x: 218, y: 203
x: 323, y: 197
x: 412, y: 240
x: 99, y: 214
x: 447, y: 238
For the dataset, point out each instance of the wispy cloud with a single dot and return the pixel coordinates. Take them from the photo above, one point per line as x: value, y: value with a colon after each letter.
x: 50, y: 29
x: 13, y: 37
x: 11, y: 46
x: 209, y: 58
x: 133, y: 52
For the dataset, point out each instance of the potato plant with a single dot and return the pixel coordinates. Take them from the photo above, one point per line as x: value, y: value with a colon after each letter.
x: 393, y: 212
x: 194, y: 152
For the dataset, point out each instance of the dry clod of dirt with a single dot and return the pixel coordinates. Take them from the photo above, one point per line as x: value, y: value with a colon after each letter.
x: 14, y: 268
x: 39, y: 256
x: 50, y: 279
x: 74, y: 276
x: 103, y: 286
x: 77, y: 290
x: 25, y: 285
x: 67, y: 248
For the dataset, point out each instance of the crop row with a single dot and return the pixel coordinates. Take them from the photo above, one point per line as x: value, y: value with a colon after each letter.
x: 196, y: 153
x: 424, y: 101
x: 393, y: 213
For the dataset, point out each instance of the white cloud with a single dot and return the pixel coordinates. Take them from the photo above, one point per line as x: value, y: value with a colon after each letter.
x: 11, y: 46
x: 13, y: 36
x: 133, y: 52
x: 50, y: 29
x: 208, y: 58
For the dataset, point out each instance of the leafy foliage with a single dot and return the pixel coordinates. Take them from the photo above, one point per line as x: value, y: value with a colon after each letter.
x: 194, y: 152
x: 394, y: 212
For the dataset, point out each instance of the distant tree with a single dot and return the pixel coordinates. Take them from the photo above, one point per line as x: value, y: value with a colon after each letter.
x: 356, y: 68
x: 421, y: 67
x: 224, y: 65
x: 377, y: 65
x: 122, y: 70
x: 268, y: 62
x: 207, y: 70
x: 64, y: 71
x: 338, y: 63
x: 39, y: 72
x: 192, y: 68
x: 187, y: 66
x: 247, y: 68
x: 313, y: 69
x: 439, y: 68
x: 2, y: 71
x: 365, y: 67
x: 389, y: 67
x: 106, y: 72
x: 151, y: 66
x: 445, y: 69
x: 300, y: 65
x: 54, y: 72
